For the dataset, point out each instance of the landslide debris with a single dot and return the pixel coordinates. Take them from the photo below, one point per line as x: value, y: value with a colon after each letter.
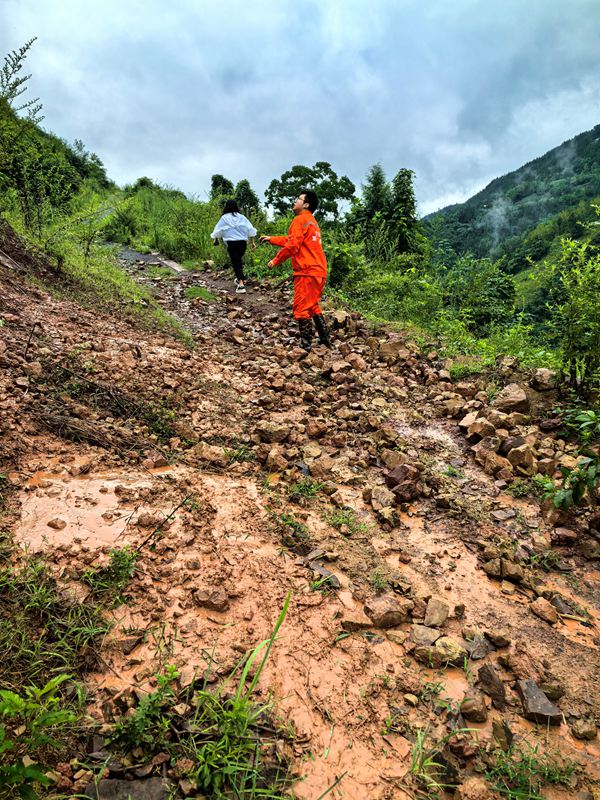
x: 432, y: 612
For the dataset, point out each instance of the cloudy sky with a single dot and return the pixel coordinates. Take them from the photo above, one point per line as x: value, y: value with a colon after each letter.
x: 460, y: 91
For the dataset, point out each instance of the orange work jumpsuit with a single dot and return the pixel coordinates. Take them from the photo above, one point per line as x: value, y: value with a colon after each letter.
x: 309, y: 265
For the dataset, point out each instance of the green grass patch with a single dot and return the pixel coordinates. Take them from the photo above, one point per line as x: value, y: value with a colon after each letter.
x: 45, y: 632
x: 199, y: 292
x: 304, y: 488
x: 522, y: 772
x: 218, y: 738
x: 109, y: 582
x: 345, y: 521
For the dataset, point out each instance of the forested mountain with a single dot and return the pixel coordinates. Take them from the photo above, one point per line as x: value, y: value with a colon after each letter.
x: 491, y: 222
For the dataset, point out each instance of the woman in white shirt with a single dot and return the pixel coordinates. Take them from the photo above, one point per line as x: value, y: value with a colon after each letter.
x: 235, y: 230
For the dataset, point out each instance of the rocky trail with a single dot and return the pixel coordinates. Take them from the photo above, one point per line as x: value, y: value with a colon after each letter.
x: 425, y: 599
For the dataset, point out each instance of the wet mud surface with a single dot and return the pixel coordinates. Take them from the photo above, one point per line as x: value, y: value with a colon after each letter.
x: 345, y: 684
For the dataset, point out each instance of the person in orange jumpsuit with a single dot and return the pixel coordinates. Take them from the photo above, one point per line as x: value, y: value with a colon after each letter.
x: 309, y: 266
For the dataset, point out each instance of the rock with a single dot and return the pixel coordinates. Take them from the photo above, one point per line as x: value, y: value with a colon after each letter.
x: 393, y: 349
x: 388, y: 516
x: 404, y: 482
x: 511, y: 571
x: 357, y: 362
x: 498, y: 638
x: 340, y: 318
x: 468, y: 420
x: 276, y: 461
x: 544, y: 380
x: 452, y: 650
x: 546, y: 466
x: 401, y: 474
x: 523, y: 460
x: 495, y: 463
x: 152, y: 789
x: 552, y: 689
x: 502, y: 734
x: 544, y: 610
x: 315, y: 428
x: 216, y: 598
x: 493, y: 568
x: 436, y: 613
x: 584, y: 729
x: 423, y: 636
x: 322, y: 467
x: 536, y: 706
x: 512, y: 398
x: 381, y: 497
x: 503, y: 514
x: 480, y: 429
x: 273, y: 432
x: 148, y: 520
x: 393, y: 458
x: 473, y: 706
x: 411, y: 699
x: 474, y: 789
x: 57, y: 524
x: 387, y: 611
x: 590, y: 549
x: 563, y: 537
x: 491, y: 684
x: 211, y: 454
x: 510, y: 443
x: 479, y: 648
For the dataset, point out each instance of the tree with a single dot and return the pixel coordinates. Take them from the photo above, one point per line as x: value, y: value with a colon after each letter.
x: 402, y: 217
x: 376, y: 195
x: 330, y: 189
x: 13, y: 85
x: 220, y: 188
x: 246, y: 197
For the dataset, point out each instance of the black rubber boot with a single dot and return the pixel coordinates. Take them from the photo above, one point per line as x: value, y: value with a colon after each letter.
x: 306, y: 334
x: 322, y: 330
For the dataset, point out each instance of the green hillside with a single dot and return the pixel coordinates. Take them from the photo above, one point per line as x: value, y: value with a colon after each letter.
x: 491, y: 222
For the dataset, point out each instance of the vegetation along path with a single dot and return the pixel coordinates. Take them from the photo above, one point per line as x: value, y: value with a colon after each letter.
x: 437, y: 630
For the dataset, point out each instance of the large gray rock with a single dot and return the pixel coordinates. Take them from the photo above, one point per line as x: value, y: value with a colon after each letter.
x: 473, y: 706
x: 437, y: 612
x: 446, y: 651
x: 273, y: 431
x: 491, y: 684
x: 151, y: 789
x: 423, y: 636
x: 388, y: 611
x: 536, y: 705
x: 512, y: 398
x: 544, y: 380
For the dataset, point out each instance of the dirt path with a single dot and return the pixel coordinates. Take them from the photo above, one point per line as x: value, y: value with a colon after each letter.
x: 248, y: 418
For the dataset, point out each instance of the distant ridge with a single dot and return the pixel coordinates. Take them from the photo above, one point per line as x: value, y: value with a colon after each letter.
x: 557, y: 181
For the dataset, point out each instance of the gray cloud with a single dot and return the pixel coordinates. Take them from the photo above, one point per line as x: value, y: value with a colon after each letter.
x: 460, y: 92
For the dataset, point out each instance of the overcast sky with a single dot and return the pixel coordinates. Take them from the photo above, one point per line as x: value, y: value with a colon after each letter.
x: 460, y: 91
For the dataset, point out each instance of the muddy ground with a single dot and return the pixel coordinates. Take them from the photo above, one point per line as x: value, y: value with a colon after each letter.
x: 233, y: 428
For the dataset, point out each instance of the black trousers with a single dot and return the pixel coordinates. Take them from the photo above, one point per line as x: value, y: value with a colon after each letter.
x: 236, y: 251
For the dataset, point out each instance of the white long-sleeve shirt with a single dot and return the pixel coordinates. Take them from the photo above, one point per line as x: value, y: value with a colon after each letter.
x: 233, y: 228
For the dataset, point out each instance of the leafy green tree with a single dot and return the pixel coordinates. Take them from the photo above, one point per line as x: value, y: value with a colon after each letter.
x: 403, y: 225
x: 575, y: 309
x: 331, y: 189
x: 220, y: 188
x: 246, y: 197
x: 376, y: 194
x: 13, y: 85
x: 478, y: 292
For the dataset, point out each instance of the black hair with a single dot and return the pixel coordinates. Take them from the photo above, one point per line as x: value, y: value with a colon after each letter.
x: 311, y: 198
x: 231, y: 207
